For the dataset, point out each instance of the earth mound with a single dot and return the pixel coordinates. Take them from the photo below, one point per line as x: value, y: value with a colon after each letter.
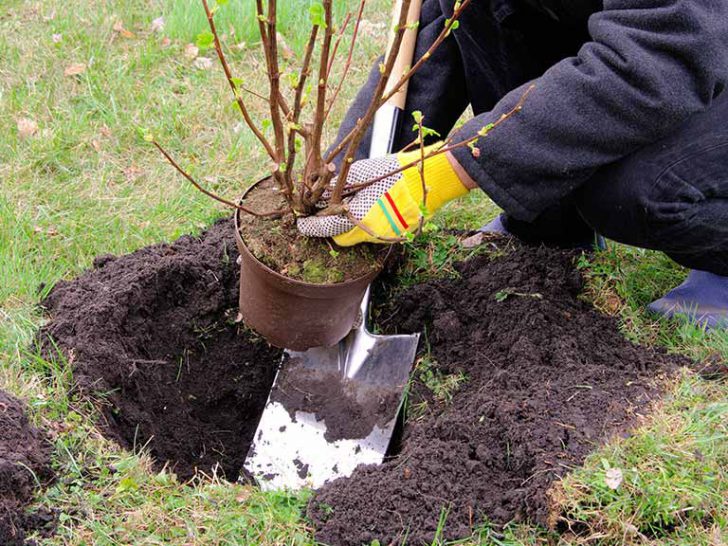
x: 25, y: 465
x: 540, y: 380
x: 153, y: 335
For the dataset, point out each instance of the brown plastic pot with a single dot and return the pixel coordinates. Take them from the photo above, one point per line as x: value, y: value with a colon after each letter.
x: 293, y: 314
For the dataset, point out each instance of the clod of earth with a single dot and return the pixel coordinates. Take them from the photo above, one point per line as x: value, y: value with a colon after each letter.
x: 349, y: 408
x: 25, y: 465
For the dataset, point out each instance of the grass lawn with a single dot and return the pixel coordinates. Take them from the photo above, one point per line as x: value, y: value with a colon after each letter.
x: 79, y: 83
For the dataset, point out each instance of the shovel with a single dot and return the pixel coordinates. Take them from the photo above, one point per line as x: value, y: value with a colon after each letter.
x: 332, y: 409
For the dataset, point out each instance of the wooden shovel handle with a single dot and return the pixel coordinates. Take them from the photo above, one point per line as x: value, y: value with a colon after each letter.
x: 406, y: 54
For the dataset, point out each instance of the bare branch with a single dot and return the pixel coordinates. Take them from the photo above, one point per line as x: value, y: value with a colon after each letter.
x: 347, y: 66
x: 297, y: 107
x: 233, y: 85
x: 451, y: 22
x: 448, y: 147
x: 222, y: 200
x: 363, y: 123
x: 335, y: 49
x: 314, y: 162
x: 395, y: 88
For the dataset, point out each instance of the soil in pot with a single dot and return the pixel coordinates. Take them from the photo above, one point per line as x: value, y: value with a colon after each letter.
x: 518, y: 381
x: 153, y: 336
x: 277, y: 243
x: 25, y: 453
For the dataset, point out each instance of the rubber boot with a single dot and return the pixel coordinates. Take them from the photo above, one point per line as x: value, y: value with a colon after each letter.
x: 703, y: 298
x: 499, y: 226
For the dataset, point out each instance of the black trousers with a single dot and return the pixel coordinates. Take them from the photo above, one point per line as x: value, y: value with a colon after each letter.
x: 670, y: 196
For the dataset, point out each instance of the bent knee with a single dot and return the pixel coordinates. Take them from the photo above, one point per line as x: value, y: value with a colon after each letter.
x: 629, y: 203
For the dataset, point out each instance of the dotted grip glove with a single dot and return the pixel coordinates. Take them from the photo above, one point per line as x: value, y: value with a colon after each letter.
x: 390, y: 207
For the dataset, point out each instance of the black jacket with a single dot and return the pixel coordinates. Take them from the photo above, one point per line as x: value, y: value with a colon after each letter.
x: 649, y: 65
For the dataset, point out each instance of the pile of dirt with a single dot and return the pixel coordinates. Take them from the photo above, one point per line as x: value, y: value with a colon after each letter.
x: 547, y: 379
x: 25, y: 453
x: 153, y: 336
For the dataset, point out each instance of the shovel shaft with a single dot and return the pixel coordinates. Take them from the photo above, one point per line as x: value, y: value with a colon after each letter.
x: 389, y: 116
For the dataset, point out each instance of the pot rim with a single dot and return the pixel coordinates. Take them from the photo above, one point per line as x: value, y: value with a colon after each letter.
x: 297, y: 282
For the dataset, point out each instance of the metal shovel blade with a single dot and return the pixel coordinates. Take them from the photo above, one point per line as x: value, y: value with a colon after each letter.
x: 331, y: 409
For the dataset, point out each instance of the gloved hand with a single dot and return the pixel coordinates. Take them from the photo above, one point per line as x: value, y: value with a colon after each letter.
x: 391, y: 207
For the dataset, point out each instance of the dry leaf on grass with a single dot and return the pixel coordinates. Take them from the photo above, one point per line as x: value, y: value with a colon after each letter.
x: 74, y: 69
x: 119, y: 28
x: 158, y: 24
x: 202, y: 63
x: 613, y: 478
x: 51, y: 231
x: 26, y: 128
x: 191, y: 51
x: 132, y: 173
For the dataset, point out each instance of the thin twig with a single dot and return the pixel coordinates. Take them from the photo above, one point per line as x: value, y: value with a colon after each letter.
x: 452, y: 21
x: 222, y: 200
x: 335, y: 49
x: 354, y: 188
x: 421, y: 171
x: 233, y: 86
x: 347, y: 66
x: 369, y: 232
x: 363, y: 123
x: 314, y: 163
x: 381, y: 99
x: 297, y: 107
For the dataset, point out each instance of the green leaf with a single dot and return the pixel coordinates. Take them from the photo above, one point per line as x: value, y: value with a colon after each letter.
x: 127, y: 484
x: 426, y: 132
x: 418, y: 116
x: 502, y: 295
x: 237, y: 82
x: 318, y: 14
x: 222, y: 2
x: 205, y: 40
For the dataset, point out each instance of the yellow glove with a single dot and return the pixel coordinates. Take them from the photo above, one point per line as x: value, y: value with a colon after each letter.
x: 392, y: 206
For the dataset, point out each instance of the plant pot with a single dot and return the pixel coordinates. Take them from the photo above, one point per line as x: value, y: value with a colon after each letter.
x: 293, y: 314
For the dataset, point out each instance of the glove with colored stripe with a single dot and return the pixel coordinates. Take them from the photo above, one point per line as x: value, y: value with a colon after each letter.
x: 392, y: 206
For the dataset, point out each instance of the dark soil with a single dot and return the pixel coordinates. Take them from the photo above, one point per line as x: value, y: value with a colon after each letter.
x: 24, y: 450
x: 548, y: 380
x: 153, y: 334
x: 278, y: 244
x: 350, y: 408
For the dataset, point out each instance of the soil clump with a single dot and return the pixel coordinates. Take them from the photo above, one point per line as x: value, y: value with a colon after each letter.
x: 25, y: 465
x: 153, y: 337
x: 350, y: 408
x: 547, y: 379
x: 278, y: 244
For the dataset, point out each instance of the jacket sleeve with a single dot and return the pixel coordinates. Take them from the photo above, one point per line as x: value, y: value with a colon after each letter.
x: 650, y: 64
